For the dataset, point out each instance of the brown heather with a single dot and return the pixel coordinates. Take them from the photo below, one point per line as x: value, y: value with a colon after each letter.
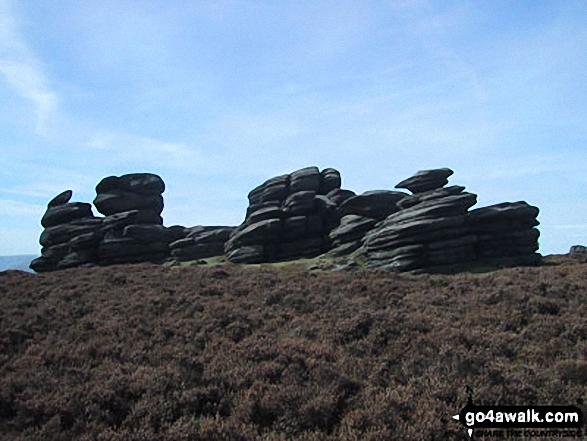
x: 143, y: 352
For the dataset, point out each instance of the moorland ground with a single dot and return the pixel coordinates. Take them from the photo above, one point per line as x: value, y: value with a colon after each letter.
x: 227, y: 352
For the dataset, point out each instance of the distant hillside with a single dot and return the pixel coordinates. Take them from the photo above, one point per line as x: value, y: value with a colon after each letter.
x: 19, y: 262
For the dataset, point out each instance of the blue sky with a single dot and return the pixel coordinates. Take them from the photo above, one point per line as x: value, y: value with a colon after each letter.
x: 217, y: 96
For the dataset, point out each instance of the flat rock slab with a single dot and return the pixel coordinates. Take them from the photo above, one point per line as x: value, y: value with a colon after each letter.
x: 426, y: 180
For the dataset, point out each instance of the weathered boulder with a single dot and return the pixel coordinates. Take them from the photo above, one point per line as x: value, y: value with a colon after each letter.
x: 60, y: 199
x: 137, y: 191
x: 426, y: 180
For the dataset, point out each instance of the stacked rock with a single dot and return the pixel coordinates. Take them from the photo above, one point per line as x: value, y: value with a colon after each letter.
x: 288, y: 217
x: 200, y: 242
x: 70, y: 235
x: 359, y: 214
x: 132, y: 227
x: 429, y: 230
x: 506, y: 233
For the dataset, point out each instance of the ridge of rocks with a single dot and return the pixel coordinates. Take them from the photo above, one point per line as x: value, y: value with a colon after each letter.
x: 303, y: 214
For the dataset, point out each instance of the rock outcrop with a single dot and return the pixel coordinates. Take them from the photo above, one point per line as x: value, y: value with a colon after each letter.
x: 288, y: 217
x: 433, y: 229
x: 431, y: 232
x: 70, y: 235
x: 299, y: 215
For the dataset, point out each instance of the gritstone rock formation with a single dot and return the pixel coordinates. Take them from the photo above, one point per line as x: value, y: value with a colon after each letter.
x: 70, y: 235
x: 433, y: 229
x: 288, y: 217
x: 299, y: 215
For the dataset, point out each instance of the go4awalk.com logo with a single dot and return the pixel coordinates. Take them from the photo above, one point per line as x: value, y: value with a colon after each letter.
x: 521, y: 421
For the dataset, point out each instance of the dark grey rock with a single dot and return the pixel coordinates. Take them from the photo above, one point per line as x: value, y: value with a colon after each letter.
x: 77, y: 258
x: 426, y: 180
x: 465, y: 253
x: 345, y: 248
x: 303, y: 248
x: 246, y: 254
x: 182, y: 243
x: 142, y: 183
x: 217, y: 234
x: 300, y: 203
x: 264, y: 214
x: 338, y: 195
x: 448, y: 206
x: 117, y: 201
x: 502, y: 213
x: 124, y: 247
x: 147, y: 233
x: 429, y: 229
x: 60, y: 199
x: 261, y: 205
x: 263, y: 232
x: 176, y: 232
x: 65, y: 213
x: 65, y: 232
x: 294, y: 227
x: 331, y: 180
x: 85, y: 241
x: 305, y: 179
x: 352, y: 227
x: 439, y: 193
x: 376, y: 204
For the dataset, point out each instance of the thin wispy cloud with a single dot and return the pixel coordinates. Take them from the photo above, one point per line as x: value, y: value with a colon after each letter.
x: 22, y: 72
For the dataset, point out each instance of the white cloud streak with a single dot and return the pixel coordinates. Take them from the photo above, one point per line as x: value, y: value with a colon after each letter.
x: 22, y: 72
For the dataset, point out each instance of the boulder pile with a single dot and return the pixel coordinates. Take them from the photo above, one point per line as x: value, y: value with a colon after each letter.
x: 70, y: 234
x: 200, y: 242
x: 433, y: 229
x: 132, y: 228
x: 289, y: 217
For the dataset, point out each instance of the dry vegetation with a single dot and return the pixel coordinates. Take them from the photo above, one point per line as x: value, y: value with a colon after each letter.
x: 143, y: 352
